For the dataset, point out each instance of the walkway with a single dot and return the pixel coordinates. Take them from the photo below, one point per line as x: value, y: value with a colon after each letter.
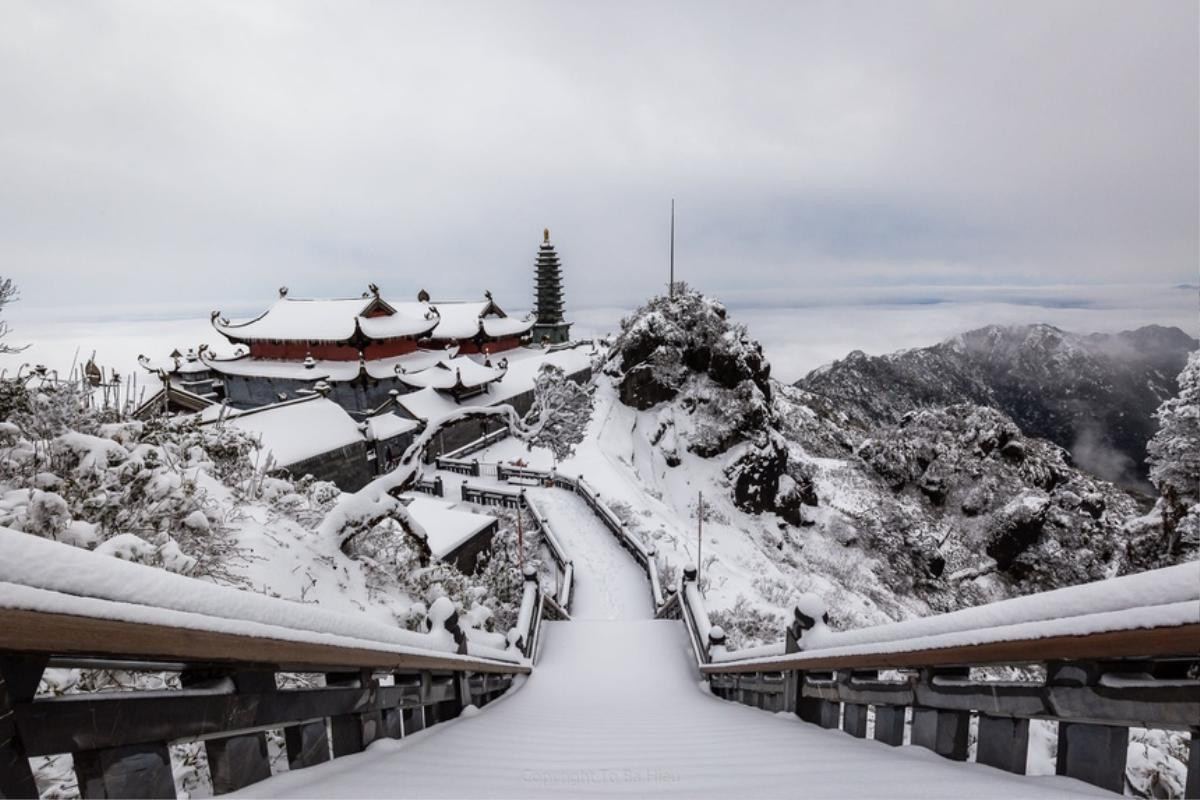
x: 608, y: 582
x: 614, y: 708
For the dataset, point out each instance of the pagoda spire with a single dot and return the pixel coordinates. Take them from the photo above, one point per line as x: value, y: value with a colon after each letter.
x: 548, y: 295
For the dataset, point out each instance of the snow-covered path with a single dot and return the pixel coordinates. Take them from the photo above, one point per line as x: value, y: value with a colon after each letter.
x: 608, y: 583
x: 613, y: 708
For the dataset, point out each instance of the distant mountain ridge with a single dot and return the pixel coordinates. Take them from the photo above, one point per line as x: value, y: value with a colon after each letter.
x: 1093, y: 394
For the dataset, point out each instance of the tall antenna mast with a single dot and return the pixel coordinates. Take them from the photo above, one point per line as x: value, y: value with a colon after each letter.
x: 671, y: 285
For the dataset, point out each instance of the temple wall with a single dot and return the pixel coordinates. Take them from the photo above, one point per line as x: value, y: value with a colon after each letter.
x: 347, y: 467
x: 387, y: 348
x: 296, y: 351
x: 469, y: 347
x: 388, y: 451
x: 252, y: 392
x: 470, y: 556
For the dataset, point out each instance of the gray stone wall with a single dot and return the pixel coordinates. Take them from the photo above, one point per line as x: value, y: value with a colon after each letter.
x: 252, y: 392
x: 471, y: 555
x: 348, y: 467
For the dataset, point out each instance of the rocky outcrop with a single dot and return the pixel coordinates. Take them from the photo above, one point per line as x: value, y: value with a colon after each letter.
x: 677, y: 337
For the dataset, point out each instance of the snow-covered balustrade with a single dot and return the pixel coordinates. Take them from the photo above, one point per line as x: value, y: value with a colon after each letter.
x: 459, y: 466
x: 433, y: 486
x: 529, y: 618
x: 558, y: 554
x: 229, y: 651
x: 491, y: 497
x: 645, y: 557
x: 1097, y: 659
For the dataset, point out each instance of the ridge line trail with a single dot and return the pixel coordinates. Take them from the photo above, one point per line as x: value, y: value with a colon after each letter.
x: 613, y: 708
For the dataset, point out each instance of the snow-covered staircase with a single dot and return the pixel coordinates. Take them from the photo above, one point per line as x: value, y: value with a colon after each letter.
x: 615, y: 707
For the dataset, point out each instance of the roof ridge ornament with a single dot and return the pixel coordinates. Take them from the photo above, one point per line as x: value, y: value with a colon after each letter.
x: 373, y: 288
x: 283, y: 290
x: 422, y: 296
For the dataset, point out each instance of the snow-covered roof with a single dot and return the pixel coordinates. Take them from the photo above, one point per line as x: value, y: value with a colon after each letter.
x: 463, y: 319
x: 450, y: 372
x: 387, y: 426
x: 427, y: 404
x: 299, y: 429
x: 329, y: 320
x: 446, y: 526
x: 501, y: 327
x: 295, y: 319
x: 523, y: 366
x: 177, y: 395
x: 327, y: 370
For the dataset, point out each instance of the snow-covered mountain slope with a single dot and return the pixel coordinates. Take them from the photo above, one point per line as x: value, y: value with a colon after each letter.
x: 1094, y: 395
x: 945, y: 508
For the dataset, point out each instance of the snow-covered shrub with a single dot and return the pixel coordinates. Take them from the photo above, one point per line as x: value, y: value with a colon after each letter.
x: 747, y: 624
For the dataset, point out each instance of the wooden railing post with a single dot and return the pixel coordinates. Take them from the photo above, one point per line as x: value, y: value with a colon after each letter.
x: 944, y: 732
x: 19, y: 678
x: 352, y: 732
x: 307, y: 744
x: 134, y: 771
x: 1003, y: 742
x: 854, y: 715
x: 1094, y: 754
x: 889, y: 724
x: 235, y: 761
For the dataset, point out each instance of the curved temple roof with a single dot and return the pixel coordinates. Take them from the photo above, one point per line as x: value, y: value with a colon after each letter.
x: 293, y: 319
x: 451, y: 372
x: 328, y: 321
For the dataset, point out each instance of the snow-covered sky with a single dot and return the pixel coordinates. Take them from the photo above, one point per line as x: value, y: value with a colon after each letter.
x: 158, y: 154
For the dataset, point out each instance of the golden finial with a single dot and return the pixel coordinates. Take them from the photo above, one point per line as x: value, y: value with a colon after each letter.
x: 546, y: 235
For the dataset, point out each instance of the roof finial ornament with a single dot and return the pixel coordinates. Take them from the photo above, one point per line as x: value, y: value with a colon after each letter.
x: 283, y: 291
x: 546, y: 235
x: 374, y: 289
x: 422, y: 296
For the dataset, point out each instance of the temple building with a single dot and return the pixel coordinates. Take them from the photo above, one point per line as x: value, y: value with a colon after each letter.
x: 548, y: 296
x: 388, y: 366
x: 371, y: 328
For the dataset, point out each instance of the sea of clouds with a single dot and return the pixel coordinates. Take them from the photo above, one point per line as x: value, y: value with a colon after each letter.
x: 799, y: 330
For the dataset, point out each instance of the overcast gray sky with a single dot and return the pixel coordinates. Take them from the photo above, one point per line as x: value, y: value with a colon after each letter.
x: 206, y: 153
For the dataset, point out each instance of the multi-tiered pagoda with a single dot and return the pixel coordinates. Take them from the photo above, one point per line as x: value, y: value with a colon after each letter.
x: 548, y: 296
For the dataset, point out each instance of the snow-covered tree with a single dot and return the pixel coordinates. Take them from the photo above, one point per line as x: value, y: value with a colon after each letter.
x: 1174, y: 458
x: 1174, y: 452
x: 8, y: 294
x: 560, y: 413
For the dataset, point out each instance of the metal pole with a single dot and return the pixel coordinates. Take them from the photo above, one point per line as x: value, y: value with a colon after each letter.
x: 520, y: 540
x: 699, y: 539
x: 671, y: 285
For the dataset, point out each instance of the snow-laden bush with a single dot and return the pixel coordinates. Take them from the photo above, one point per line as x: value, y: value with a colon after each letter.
x: 1174, y: 458
x: 747, y: 624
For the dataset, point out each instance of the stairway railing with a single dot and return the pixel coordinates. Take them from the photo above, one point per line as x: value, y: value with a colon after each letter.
x: 1115, y: 654
x: 646, y: 556
x: 230, y: 650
